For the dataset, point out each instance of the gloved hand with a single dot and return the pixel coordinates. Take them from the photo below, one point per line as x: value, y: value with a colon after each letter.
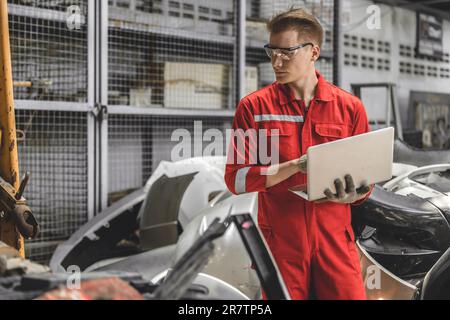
x: 302, y: 163
x: 349, y: 194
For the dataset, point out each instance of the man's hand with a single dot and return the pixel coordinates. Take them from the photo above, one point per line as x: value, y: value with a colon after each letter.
x: 349, y: 194
x: 302, y: 163
x: 278, y: 173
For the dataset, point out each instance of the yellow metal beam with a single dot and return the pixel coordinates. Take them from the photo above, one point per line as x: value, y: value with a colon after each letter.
x: 9, y: 165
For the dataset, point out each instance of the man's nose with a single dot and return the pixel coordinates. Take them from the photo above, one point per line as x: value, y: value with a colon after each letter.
x: 277, y: 61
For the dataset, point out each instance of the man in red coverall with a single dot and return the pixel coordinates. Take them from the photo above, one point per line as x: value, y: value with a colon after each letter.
x: 312, y: 242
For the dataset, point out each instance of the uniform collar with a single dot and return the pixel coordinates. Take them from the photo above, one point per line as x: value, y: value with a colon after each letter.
x: 323, y: 91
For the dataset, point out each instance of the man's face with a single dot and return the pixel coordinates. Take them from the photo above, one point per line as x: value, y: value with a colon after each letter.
x: 300, y: 64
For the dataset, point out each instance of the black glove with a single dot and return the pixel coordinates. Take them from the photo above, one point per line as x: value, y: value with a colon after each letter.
x: 349, y: 194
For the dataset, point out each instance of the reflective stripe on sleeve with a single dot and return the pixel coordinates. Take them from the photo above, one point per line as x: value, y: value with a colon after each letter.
x: 241, y: 178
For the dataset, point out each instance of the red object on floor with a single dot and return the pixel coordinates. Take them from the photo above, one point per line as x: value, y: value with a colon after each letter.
x: 313, y: 244
x: 98, y: 289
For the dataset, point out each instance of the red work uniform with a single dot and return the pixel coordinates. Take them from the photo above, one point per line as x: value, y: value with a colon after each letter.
x: 313, y: 244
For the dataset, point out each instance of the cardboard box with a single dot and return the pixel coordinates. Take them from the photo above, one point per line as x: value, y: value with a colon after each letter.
x: 195, y: 85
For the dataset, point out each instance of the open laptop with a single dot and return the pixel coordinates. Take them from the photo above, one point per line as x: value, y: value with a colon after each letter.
x: 367, y: 157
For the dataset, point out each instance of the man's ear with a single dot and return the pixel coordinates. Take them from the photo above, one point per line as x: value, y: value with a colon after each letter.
x: 315, y: 53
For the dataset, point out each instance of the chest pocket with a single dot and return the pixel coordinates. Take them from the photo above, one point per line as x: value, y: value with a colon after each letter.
x: 326, y: 132
x: 281, y: 143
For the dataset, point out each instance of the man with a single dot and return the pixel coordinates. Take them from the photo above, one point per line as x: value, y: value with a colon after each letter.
x: 312, y: 242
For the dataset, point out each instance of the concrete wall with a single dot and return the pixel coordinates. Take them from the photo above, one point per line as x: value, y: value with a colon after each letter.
x: 398, y: 27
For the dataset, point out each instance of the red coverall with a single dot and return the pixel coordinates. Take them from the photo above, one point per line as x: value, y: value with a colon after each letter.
x: 313, y: 244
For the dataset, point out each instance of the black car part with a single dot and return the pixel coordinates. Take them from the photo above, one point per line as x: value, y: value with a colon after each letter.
x: 410, y: 233
x: 98, y: 239
x: 436, y: 285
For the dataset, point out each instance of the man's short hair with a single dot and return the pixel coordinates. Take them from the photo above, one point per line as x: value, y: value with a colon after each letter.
x: 300, y: 20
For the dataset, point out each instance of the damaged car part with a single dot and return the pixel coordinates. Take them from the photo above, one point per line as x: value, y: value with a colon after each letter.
x: 152, y: 217
x: 404, y: 228
x: 191, y: 263
x: 98, y: 239
x: 159, y: 225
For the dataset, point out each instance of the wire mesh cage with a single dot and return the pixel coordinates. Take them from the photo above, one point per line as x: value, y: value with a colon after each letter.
x: 172, y: 54
x: 49, y: 49
x: 162, y: 54
x: 152, y: 139
x: 53, y: 148
x: 260, y: 11
x: 321, y: 9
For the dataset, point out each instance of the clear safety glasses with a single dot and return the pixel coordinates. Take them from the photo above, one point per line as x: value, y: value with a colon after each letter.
x: 284, y: 53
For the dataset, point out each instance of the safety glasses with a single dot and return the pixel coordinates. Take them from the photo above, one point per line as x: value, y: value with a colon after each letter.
x: 284, y: 53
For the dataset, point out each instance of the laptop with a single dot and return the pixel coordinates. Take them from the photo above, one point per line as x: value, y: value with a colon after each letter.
x: 367, y: 157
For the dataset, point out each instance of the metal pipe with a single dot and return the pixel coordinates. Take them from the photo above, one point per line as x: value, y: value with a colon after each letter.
x: 103, y: 103
x: 9, y: 164
x: 337, y: 42
x: 240, y: 49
